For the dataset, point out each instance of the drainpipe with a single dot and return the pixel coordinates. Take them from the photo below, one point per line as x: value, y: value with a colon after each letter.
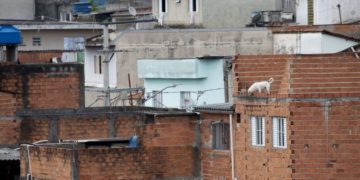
x: 232, y: 148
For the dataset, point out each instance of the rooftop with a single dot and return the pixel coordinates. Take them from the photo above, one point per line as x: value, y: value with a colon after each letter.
x: 312, y: 76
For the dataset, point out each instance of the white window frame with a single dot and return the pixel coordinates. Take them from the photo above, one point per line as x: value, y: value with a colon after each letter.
x: 257, y: 130
x: 36, y: 41
x: 191, y: 5
x: 279, y: 132
x: 161, y: 6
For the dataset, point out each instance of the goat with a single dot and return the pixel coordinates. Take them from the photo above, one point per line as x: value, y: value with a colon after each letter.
x: 260, y: 86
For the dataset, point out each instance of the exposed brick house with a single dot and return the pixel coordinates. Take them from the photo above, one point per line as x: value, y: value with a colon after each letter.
x: 308, y: 127
x: 167, y: 145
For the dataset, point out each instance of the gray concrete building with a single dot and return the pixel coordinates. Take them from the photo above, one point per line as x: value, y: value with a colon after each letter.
x: 213, y: 13
x: 17, y: 9
x: 175, y: 43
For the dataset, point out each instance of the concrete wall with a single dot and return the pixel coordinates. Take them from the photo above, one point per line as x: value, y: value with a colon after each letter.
x: 234, y: 13
x: 17, y: 9
x: 212, y: 84
x: 52, y: 39
x: 214, y: 13
x: 326, y: 11
x: 185, y: 44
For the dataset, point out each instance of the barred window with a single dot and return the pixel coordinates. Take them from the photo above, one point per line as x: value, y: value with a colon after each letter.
x: 221, y: 135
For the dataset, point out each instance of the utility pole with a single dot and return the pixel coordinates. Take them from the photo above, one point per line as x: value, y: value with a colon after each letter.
x: 106, y: 65
x: 106, y: 51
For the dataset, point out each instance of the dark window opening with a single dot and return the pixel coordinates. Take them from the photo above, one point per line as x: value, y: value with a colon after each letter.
x: 163, y: 5
x: 194, y: 8
x: 221, y: 136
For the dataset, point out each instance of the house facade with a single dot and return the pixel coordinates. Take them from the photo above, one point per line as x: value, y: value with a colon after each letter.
x: 320, y: 12
x: 305, y: 129
x: 210, y: 13
x: 184, y: 83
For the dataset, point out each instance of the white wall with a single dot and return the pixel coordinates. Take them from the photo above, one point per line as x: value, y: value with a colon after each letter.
x: 214, y: 82
x: 92, y: 79
x: 309, y: 43
x: 326, y: 11
x: 331, y: 44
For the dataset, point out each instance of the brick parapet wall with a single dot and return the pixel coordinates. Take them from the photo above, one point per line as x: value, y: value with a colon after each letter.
x: 46, y: 162
x: 54, y: 162
x: 32, y: 57
x: 50, y: 86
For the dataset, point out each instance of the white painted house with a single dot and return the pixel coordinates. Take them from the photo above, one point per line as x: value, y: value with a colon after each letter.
x: 93, y: 63
x: 184, y: 83
x: 320, y: 12
x: 311, y: 42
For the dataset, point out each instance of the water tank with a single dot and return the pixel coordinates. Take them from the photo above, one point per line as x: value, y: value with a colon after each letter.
x: 9, y: 35
x: 82, y: 7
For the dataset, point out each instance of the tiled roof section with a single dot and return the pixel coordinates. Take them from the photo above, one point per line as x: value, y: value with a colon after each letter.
x: 331, y: 75
x: 7, y: 154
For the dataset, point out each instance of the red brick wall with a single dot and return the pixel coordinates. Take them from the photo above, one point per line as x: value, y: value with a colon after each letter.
x: 9, y: 131
x: 33, y: 130
x: 47, y: 163
x: 325, y: 140
x: 35, y: 87
x: 170, y: 131
x: 49, y: 86
x: 266, y: 162
x: 167, y: 150
x: 215, y: 164
x: 54, y: 90
x: 28, y: 57
x: 139, y: 163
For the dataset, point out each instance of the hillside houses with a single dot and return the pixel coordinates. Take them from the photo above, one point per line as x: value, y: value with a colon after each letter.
x: 179, y: 107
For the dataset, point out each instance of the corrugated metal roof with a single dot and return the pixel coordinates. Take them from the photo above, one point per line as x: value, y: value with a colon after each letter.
x: 223, y: 107
x: 7, y: 154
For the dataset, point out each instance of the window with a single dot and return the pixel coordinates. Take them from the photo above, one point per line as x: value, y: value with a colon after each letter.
x: 36, y: 41
x: 279, y: 132
x: 257, y: 131
x: 185, y: 99
x: 97, y: 65
x: 157, y: 100
x: 193, y: 5
x: 162, y: 6
x: 220, y: 135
